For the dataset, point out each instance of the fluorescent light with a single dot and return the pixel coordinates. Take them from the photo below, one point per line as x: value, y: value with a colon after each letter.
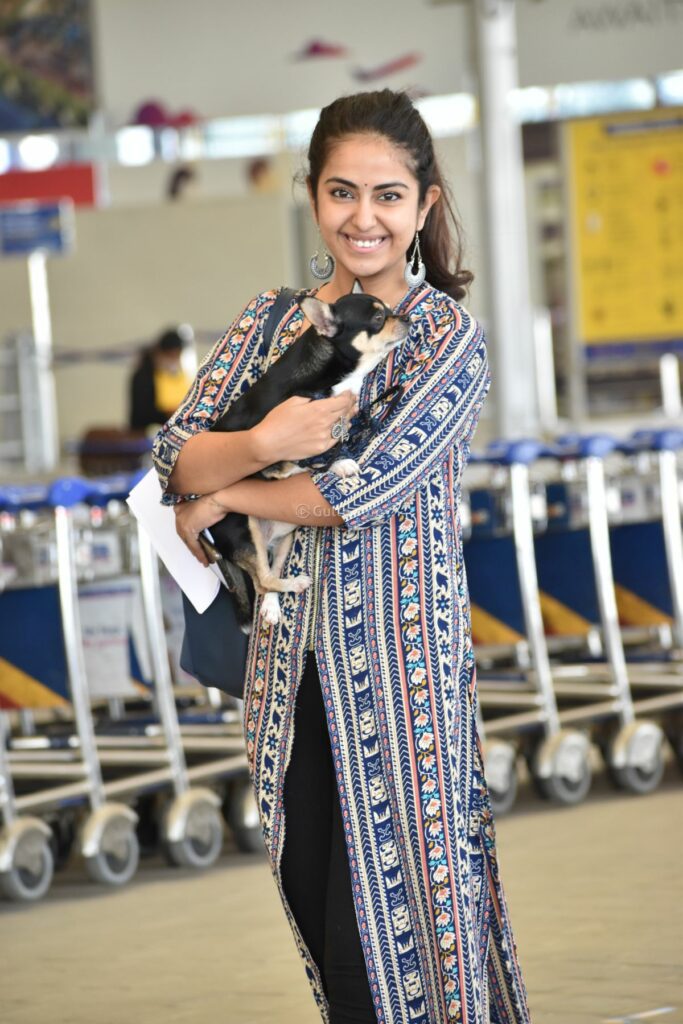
x: 38, y: 152
x: 242, y: 136
x: 5, y: 156
x: 298, y: 127
x: 581, y: 99
x: 532, y: 104
x: 448, y: 115
x: 135, y: 146
x: 670, y: 87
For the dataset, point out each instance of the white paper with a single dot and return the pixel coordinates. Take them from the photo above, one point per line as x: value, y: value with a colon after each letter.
x: 198, y: 582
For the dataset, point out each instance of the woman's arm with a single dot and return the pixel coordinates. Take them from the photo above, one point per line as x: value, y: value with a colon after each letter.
x: 209, y: 462
x: 293, y: 500
x: 295, y: 429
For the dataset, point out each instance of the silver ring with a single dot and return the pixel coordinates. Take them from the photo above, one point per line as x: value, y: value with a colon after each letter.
x: 340, y: 430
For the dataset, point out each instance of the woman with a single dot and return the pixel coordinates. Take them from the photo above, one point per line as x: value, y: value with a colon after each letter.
x: 159, y: 382
x: 360, y: 704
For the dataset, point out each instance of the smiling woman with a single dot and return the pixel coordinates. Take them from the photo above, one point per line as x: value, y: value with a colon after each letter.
x: 360, y: 703
x: 374, y: 183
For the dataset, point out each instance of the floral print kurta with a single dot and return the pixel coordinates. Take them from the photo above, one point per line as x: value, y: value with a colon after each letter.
x: 388, y: 619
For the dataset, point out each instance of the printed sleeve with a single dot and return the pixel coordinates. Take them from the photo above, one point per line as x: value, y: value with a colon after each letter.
x: 438, y: 409
x: 225, y: 372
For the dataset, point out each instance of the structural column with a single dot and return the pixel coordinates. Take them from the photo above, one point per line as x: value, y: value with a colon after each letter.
x: 510, y: 330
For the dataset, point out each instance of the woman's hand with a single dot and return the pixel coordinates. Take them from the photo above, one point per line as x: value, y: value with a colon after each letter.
x: 191, y: 517
x: 301, y: 427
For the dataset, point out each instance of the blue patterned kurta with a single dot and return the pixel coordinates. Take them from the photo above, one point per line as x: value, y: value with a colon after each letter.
x: 388, y: 615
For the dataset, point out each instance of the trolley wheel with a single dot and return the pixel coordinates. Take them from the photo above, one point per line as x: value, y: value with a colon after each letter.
x: 565, y: 790
x: 640, y: 779
x: 32, y: 868
x: 241, y: 813
x: 501, y: 775
x: 568, y: 780
x: 201, y: 845
x: 639, y: 756
x: 116, y: 859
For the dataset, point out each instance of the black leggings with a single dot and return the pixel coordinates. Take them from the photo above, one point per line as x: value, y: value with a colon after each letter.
x: 315, y: 866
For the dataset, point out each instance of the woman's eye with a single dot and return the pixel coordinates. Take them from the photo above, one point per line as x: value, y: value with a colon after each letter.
x: 390, y: 197
x: 340, y: 193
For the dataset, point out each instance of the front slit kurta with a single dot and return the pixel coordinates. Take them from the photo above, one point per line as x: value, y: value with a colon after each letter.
x: 392, y: 641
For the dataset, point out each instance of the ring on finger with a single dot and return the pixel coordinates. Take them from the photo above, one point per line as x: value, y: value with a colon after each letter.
x: 340, y: 430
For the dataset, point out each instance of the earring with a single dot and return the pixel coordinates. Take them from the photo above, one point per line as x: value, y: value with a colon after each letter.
x: 323, y: 271
x: 417, y: 276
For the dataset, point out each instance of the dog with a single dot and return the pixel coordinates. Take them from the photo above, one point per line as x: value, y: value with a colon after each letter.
x: 345, y: 341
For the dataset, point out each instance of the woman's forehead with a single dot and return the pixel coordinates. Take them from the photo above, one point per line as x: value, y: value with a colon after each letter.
x: 368, y: 160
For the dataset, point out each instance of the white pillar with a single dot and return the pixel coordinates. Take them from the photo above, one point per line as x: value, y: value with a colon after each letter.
x: 40, y: 431
x: 510, y: 331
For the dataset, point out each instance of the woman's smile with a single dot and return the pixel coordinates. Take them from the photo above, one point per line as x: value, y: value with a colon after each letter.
x: 364, y: 245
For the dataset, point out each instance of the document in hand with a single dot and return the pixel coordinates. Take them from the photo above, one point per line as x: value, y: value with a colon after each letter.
x: 196, y: 581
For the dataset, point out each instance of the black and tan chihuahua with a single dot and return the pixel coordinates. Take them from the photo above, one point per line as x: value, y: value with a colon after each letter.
x: 345, y: 341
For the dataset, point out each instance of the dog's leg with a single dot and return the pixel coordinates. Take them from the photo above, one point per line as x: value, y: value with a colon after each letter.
x: 270, y: 606
x: 262, y: 532
x: 345, y: 467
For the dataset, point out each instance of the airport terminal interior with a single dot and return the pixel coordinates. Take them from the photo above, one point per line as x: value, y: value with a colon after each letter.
x: 501, y: 654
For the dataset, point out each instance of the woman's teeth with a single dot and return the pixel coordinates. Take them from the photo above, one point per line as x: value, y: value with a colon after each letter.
x: 365, y: 243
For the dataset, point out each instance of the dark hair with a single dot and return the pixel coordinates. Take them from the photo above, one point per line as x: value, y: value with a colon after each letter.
x: 392, y: 115
x: 170, y: 341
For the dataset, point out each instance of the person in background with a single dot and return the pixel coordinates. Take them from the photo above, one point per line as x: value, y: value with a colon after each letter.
x: 159, y: 382
x: 182, y: 181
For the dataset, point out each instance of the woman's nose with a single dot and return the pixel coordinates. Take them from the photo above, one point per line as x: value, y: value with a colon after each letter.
x: 364, y: 216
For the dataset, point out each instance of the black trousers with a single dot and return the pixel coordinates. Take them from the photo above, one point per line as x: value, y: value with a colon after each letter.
x: 315, y: 866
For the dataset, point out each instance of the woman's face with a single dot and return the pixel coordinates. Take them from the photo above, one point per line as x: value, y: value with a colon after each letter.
x: 367, y: 209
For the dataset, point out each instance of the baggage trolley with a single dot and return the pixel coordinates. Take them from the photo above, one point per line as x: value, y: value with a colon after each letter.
x: 515, y: 685
x: 574, y: 558
x: 63, y: 778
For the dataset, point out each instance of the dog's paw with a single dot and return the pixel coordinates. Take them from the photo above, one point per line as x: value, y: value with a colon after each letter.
x: 345, y: 467
x: 296, y: 584
x: 270, y: 608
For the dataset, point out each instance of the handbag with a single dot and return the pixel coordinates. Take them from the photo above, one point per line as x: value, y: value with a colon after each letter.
x: 214, y: 648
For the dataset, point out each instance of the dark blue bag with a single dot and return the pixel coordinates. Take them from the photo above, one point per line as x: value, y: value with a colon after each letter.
x: 214, y: 648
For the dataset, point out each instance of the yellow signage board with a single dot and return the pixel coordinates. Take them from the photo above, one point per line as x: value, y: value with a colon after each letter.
x: 626, y: 186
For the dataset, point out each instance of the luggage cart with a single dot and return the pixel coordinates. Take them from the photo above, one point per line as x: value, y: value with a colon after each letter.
x: 515, y: 686
x: 575, y: 575
x: 107, y: 839
x: 646, y: 544
x: 206, y: 733
x: 647, y: 556
x: 26, y: 861
x: 138, y: 762
x: 212, y: 721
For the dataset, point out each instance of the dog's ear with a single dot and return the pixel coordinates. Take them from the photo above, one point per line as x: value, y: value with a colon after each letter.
x: 321, y: 316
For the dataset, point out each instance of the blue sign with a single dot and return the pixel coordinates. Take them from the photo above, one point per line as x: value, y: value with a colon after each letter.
x: 36, y: 226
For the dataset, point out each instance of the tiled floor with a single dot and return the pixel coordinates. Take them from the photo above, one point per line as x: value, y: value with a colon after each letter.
x: 595, y: 894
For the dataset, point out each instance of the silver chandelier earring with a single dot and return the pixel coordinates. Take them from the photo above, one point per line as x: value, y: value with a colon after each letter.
x: 415, y: 274
x: 322, y: 267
